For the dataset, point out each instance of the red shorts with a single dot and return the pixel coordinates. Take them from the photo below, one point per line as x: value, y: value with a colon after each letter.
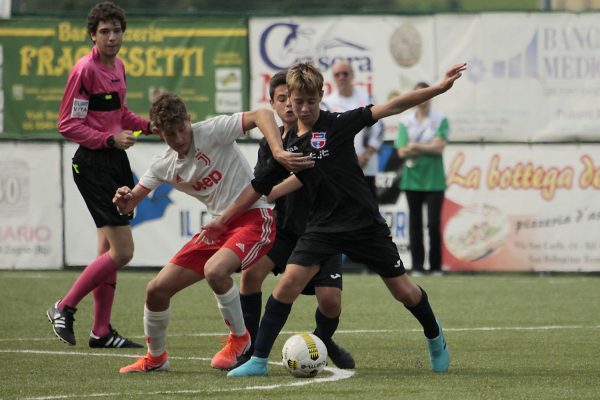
x: 250, y: 236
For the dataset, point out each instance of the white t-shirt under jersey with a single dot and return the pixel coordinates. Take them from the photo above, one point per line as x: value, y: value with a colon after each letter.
x: 215, y: 171
x: 374, y: 134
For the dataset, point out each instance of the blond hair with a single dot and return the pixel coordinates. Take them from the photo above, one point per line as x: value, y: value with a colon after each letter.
x: 305, y: 77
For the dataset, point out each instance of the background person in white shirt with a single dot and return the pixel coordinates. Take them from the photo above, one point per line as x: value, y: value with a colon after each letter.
x: 347, y: 96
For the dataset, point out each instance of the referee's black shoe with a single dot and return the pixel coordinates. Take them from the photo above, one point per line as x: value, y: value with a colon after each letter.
x: 112, y: 340
x: 339, y: 355
x: 62, y: 322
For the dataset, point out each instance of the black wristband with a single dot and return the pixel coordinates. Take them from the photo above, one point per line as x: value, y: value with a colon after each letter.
x: 110, y: 141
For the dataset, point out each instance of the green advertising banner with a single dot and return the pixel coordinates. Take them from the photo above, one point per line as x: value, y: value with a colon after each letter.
x: 205, y: 62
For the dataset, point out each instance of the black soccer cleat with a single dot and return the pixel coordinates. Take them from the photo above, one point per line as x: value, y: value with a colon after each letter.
x: 62, y: 322
x: 112, y: 340
x: 339, y: 355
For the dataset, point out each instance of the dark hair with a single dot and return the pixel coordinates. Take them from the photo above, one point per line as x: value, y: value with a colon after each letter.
x: 421, y: 85
x: 277, y: 80
x: 168, y: 110
x: 105, y: 11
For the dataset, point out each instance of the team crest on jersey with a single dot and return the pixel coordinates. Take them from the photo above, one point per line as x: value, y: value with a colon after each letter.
x: 200, y: 156
x: 318, y: 140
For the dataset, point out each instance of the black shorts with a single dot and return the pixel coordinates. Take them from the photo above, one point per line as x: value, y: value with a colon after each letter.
x: 98, y: 174
x: 330, y: 274
x: 372, y: 246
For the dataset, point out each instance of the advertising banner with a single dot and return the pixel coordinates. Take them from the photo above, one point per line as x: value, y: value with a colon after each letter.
x: 522, y: 208
x: 163, y: 222
x: 514, y: 208
x: 396, y: 53
x: 205, y: 62
x: 530, y: 77
x: 30, y: 206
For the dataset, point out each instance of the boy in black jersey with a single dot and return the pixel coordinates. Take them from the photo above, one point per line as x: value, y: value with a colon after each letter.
x: 291, y: 212
x: 344, y: 216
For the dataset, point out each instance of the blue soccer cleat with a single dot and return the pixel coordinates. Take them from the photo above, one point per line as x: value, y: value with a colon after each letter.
x: 439, y: 356
x: 255, y: 366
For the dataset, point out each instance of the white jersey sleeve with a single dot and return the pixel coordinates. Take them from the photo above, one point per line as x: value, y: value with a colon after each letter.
x: 225, y: 129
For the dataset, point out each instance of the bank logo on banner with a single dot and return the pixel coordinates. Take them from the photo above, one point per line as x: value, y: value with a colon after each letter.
x: 283, y: 44
x: 523, y: 64
x: 558, y: 52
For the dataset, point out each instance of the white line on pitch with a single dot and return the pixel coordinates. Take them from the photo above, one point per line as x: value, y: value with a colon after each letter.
x: 336, y: 375
x: 358, y: 331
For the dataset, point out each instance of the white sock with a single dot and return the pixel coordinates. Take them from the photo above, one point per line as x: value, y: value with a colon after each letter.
x: 155, y: 329
x: 231, y: 310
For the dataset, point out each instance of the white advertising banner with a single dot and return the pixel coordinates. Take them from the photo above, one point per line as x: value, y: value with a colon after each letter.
x: 515, y: 208
x: 163, y: 222
x: 530, y: 77
x: 30, y: 206
x: 522, y: 208
x: 388, y: 54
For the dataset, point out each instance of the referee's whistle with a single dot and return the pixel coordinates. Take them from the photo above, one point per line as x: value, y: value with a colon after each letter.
x: 137, y: 133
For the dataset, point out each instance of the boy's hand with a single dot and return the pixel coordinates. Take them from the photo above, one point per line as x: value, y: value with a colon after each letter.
x: 452, y: 74
x: 123, y: 199
x: 211, y: 232
x: 293, y: 162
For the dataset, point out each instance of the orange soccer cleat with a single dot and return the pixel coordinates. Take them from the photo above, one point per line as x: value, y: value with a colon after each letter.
x: 148, y: 364
x: 234, y: 347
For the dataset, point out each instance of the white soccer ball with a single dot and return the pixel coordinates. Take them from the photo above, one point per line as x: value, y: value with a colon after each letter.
x: 304, y: 355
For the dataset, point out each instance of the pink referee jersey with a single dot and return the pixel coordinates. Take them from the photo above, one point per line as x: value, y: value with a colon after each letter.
x: 93, y: 106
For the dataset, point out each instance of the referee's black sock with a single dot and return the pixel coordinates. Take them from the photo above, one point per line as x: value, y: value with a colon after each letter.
x: 423, y: 312
x: 251, y: 308
x: 276, y: 314
x: 326, y: 326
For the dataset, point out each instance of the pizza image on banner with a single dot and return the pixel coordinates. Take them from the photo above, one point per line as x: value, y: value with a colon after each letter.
x: 476, y: 231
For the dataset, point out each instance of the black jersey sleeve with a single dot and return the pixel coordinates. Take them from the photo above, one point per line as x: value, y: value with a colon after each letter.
x: 267, y: 171
x: 359, y: 117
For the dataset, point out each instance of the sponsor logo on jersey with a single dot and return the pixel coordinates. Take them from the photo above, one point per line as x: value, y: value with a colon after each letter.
x: 208, y: 181
x: 240, y: 246
x: 80, y: 108
x: 318, y: 140
x: 335, y: 276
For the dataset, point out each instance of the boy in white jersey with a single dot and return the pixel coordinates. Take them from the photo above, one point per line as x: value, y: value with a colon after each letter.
x: 204, y: 161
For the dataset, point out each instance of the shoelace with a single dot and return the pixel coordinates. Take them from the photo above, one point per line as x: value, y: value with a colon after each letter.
x: 147, y: 363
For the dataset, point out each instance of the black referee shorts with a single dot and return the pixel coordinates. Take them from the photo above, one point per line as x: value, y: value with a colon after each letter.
x: 98, y: 174
x: 330, y: 274
x: 372, y: 246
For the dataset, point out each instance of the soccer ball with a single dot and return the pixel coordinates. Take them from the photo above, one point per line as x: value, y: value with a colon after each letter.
x: 304, y: 355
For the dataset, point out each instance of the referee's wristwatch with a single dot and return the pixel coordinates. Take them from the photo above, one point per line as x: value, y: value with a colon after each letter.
x: 110, y: 141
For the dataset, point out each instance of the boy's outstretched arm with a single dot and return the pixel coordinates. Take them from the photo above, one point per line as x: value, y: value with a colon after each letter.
x: 408, y: 100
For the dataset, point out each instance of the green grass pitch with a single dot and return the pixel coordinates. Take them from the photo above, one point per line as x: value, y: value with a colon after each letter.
x: 511, y: 336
